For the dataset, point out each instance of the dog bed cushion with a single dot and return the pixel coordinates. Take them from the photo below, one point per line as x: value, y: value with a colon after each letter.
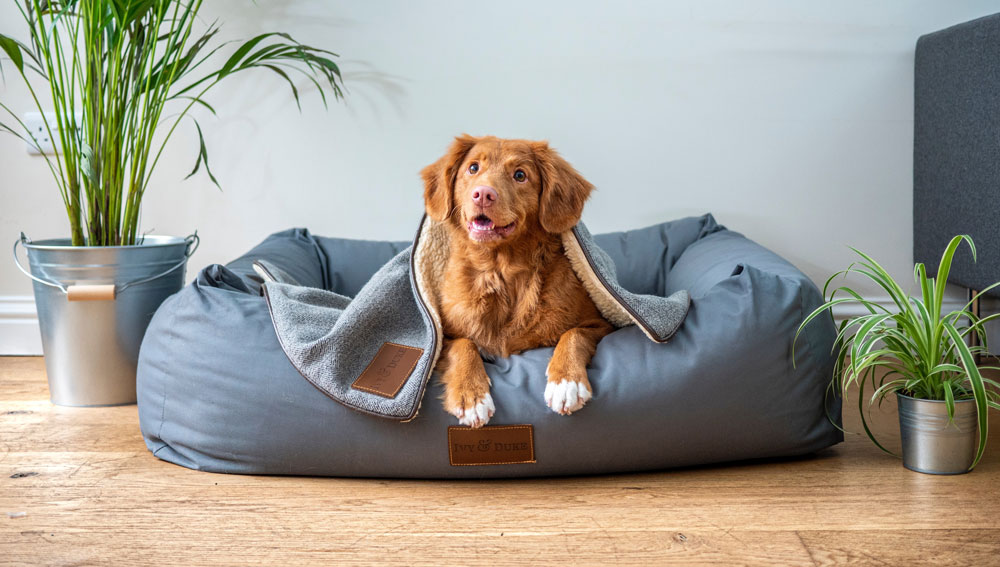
x: 217, y: 393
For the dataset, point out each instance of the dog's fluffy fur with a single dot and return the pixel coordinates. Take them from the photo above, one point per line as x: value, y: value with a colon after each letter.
x: 508, y: 285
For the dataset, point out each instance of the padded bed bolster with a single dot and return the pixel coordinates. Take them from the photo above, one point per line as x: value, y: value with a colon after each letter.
x: 295, y: 250
x: 217, y: 393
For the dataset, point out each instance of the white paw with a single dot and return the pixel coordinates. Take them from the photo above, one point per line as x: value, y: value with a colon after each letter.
x: 476, y: 416
x: 566, y: 396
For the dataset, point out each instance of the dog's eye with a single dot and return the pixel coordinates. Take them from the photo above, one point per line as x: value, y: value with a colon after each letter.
x: 473, y: 167
x: 520, y: 176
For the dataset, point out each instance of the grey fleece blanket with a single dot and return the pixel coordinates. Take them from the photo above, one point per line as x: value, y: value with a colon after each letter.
x: 376, y: 351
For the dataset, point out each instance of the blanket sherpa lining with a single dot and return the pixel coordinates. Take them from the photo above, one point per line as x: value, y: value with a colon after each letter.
x: 330, y: 338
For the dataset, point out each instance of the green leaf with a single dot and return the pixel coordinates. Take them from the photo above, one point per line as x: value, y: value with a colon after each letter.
x: 944, y: 368
x: 870, y: 324
x: 978, y: 295
x: 949, y: 400
x: 834, y: 276
x: 927, y: 322
x: 201, y: 102
x: 235, y: 58
x: 944, y: 268
x: 291, y: 84
x: 816, y: 312
x: 978, y: 390
x: 13, y: 51
x: 869, y: 305
x: 887, y: 388
x: 880, y: 276
x: 202, y: 157
x: 864, y: 423
x: 171, y: 67
x: 920, y: 277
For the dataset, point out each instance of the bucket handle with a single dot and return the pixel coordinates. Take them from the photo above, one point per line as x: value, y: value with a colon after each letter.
x: 109, y: 291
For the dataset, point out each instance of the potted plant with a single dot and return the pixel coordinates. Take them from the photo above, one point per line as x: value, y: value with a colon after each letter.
x: 920, y: 354
x: 122, y: 75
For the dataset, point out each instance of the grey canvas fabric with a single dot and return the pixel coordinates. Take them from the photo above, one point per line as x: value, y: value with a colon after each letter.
x: 331, y: 338
x: 268, y: 272
x: 956, y: 149
x: 216, y: 392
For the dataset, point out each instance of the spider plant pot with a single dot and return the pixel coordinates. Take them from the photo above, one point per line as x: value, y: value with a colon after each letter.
x: 932, y: 443
x: 94, y: 304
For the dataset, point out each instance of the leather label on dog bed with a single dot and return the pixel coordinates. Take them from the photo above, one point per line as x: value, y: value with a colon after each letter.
x: 491, y: 445
x: 390, y: 368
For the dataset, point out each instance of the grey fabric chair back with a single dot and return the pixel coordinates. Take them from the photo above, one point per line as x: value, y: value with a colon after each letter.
x: 956, y: 149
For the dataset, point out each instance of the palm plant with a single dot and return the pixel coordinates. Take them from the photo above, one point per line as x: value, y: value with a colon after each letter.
x: 913, y: 349
x: 113, y: 67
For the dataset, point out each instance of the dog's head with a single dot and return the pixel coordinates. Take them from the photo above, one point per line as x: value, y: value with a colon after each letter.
x: 496, y: 190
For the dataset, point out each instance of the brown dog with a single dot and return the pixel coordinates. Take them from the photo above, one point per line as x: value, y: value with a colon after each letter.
x: 508, y: 285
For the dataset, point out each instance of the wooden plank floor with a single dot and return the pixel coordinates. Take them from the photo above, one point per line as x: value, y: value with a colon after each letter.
x: 78, y: 487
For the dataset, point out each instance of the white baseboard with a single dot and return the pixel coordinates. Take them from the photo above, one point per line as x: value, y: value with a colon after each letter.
x: 850, y: 310
x: 19, y: 334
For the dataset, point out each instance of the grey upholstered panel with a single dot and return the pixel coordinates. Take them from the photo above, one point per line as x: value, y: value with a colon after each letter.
x: 956, y: 148
x: 216, y: 392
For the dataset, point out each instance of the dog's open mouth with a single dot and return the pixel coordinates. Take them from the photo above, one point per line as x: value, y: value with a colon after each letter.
x: 483, y: 229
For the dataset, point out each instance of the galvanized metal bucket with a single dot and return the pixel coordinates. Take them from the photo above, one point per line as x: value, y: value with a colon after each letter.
x: 932, y: 443
x: 94, y: 304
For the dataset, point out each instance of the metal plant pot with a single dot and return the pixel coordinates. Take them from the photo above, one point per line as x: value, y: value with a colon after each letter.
x: 931, y: 443
x: 94, y: 304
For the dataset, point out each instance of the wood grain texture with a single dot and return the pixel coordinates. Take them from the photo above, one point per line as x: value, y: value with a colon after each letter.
x: 78, y: 487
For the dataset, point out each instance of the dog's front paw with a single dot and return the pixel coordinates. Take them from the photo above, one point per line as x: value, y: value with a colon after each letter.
x: 471, y: 411
x: 567, y: 389
x: 566, y: 396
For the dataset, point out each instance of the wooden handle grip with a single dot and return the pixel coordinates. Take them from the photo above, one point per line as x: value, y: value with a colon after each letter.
x: 90, y: 292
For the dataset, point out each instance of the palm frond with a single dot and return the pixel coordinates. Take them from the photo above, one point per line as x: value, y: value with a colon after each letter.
x: 123, y: 65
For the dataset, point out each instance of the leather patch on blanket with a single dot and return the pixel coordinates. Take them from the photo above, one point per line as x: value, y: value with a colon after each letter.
x: 491, y: 445
x: 390, y: 368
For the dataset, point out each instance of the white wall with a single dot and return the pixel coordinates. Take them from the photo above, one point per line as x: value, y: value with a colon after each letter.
x: 791, y: 121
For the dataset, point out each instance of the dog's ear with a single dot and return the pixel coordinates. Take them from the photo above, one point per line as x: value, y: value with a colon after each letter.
x: 439, y: 178
x: 564, y: 190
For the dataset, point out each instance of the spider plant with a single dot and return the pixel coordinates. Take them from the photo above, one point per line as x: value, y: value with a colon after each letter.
x: 913, y: 348
x: 122, y: 75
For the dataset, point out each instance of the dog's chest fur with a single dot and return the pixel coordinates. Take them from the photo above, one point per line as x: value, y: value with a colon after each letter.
x: 507, y: 301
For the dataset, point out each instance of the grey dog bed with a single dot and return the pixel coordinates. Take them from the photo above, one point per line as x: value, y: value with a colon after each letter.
x: 343, y: 345
x: 217, y: 393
